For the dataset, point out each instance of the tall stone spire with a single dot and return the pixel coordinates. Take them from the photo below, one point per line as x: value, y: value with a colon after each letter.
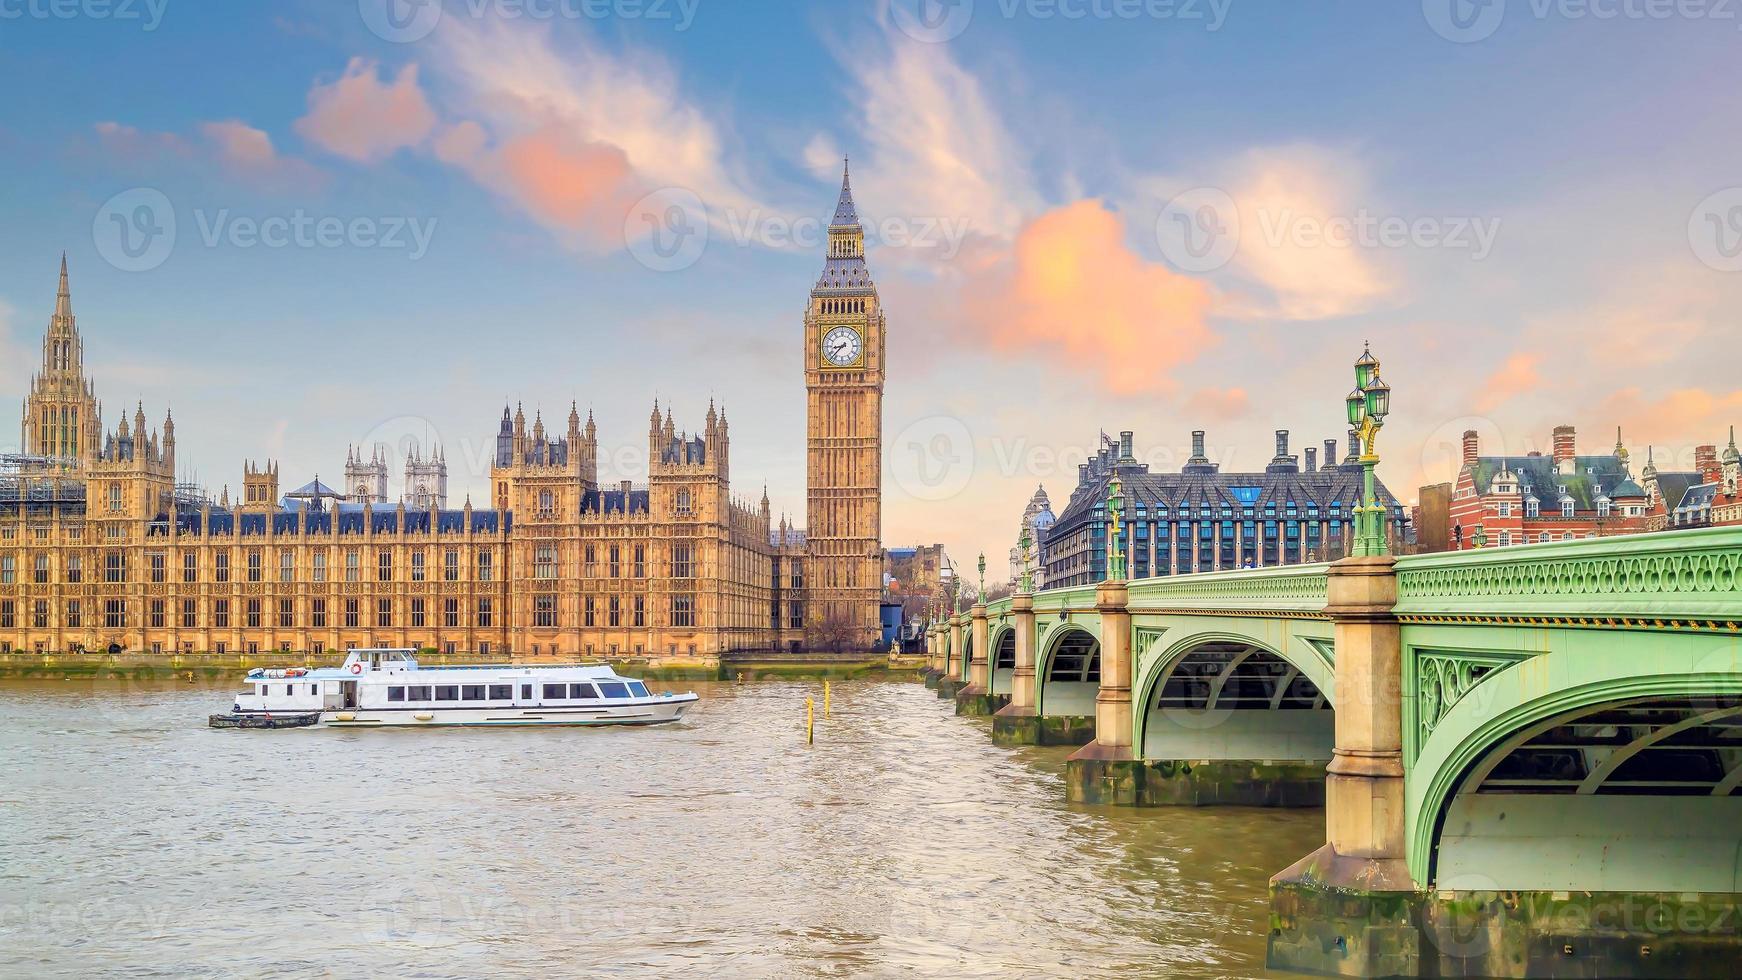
x: 845, y: 213
x: 63, y: 299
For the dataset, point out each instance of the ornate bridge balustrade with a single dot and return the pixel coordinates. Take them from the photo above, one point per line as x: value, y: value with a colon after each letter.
x: 1530, y: 757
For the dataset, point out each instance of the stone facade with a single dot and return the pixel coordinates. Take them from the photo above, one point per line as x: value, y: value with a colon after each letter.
x: 101, y: 548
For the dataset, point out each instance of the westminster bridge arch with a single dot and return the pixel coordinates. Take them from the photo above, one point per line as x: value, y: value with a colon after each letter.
x: 1515, y: 735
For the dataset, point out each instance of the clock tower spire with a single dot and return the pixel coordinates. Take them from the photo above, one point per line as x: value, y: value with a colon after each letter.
x: 844, y: 364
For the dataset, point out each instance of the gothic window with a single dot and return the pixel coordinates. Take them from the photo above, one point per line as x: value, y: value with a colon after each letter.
x: 318, y: 567
x: 157, y: 614
x: 353, y: 565
x: 484, y: 616
x: 544, y: 611
x: 417, y: 613
x: 8, y: 614
x: 253, y: 614
x: 115, y: 566
x: 616, y: 564
x: 384, y: 566
x: 546, y: 503
x: 544, y: 562
x: 683, y: 609
x: 451, y: 565
x: 221, y: 613
x: 681, y: 563
x: 286, y: 613
x: 484, y: 566
x: 640, y: 561
x: 417, y: 566
x: 589, y: 612
x: 640, y: 611
x: 8, y: 569
x: 352, y: 615
x: 75, y: 615
x: 115, y: 614
x: 114, y: 496
x: 615, y: 611
x: 451, y: 613
x: 190, y: 614
x: 384, y: 612
x: 683, y: 502
x: 42, y: 570
x: 253, y: 564
x: 286, y: 566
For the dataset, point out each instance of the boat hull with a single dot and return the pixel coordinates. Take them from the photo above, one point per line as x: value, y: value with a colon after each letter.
x: 652, y: 711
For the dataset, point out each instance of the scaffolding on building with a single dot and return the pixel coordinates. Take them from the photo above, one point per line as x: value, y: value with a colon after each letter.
x: 39, y: 486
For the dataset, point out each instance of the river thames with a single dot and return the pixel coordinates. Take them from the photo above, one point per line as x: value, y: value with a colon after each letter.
x: 136, y: 841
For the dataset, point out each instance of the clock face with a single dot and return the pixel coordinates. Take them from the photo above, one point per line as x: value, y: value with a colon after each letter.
x: 842, y: 346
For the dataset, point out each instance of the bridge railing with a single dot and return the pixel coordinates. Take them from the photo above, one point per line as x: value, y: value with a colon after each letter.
x: 1692, y: 576
x: 1289, y: 588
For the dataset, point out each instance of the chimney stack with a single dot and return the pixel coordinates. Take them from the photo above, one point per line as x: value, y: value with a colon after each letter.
x: 1198, y: 444
x: 1354, y: 457
x: 1706, y: 462
x: 1330, y: 454
x: 1472, y: 450
x: 1564, y: 449
x: 1312, y: 460
x: 1283, y: 462
x: 1082, y: 474
x: 1281, y: 443
x: 1125, y: 455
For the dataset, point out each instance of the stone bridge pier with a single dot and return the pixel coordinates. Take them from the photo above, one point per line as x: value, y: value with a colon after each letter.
x: 1529, y: 758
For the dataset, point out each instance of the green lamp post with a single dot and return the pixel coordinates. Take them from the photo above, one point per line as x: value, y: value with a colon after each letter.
x: 1115, y: 529
x: 1027, y: 544
x: 1368, y: 405
x: 981, y: 595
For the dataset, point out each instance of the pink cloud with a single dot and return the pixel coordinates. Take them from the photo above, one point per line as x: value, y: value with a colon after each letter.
x: 1070, y: 288
x: 1516, y: 375
x: 360, y: 117
x: 248, y: 153
x: 1218, y: 404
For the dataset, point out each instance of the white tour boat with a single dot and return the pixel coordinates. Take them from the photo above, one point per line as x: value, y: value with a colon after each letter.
x: 376, y: 688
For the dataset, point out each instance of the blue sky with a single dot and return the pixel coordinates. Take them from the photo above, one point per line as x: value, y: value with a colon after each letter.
x: 1033, y: 163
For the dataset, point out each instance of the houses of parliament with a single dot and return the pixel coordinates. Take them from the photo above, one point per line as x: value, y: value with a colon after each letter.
x: 102, y: 549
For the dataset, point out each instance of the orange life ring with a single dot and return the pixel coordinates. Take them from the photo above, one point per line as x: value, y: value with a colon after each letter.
x: 357, y: 668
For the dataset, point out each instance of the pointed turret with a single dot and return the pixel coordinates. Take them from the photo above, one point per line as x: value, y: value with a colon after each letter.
x: 845, y: 213
x: 63, y: 297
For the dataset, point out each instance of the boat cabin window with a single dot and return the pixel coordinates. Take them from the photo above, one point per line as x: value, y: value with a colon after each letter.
x: 502, y: 692
x: 396, y: 694
x: 472, y: 692
x: 582, y: 691
x: 314, y: 689
x: 447, y: 692
x: 555, y: 691
x: 612, y: 689
x: 526, y: 692
x: 263, y: 690
x: 638, y: 689
x: 419, y: 692
x: 289, y: 689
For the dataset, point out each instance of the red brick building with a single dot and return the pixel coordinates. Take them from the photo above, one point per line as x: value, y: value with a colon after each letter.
x: 1706, y: 496
x: 1530, y: 499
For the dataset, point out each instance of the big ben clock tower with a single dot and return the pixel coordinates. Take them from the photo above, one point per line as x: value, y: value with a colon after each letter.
x: 843, y: 373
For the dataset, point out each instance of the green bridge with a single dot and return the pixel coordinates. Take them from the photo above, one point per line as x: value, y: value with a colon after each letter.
x: 1530, y: 758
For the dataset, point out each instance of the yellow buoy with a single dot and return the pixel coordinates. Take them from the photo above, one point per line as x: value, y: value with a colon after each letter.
x: 344, y: 716
x: 424, y: 716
